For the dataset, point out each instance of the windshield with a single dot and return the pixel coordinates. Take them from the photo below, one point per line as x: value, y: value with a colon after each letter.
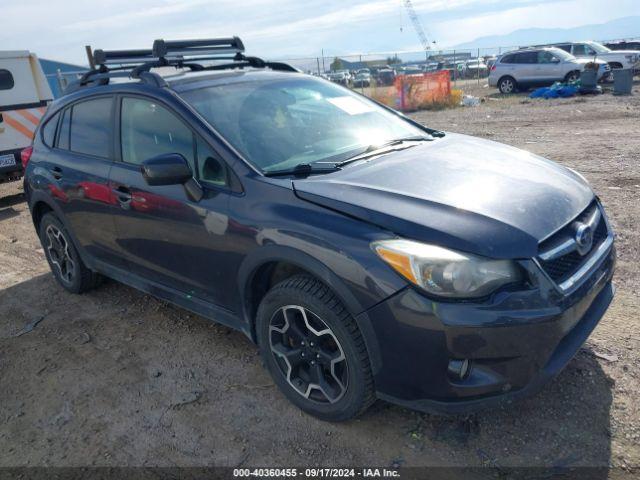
x: 598, y: 47
x: 278, y: 124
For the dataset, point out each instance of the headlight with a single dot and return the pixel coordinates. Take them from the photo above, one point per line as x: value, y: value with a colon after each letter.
x: 444, y: 272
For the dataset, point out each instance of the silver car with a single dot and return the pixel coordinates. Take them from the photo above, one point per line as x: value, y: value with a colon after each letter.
x: 531, y: 67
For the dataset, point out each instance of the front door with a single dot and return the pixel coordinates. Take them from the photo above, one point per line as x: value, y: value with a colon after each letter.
x: 549, y: 68
x: 167, y: 237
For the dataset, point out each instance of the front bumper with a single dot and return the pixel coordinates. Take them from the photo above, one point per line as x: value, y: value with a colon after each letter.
x: 515, y: 342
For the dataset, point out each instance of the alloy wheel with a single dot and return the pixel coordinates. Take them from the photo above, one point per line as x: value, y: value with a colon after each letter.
x: 308, y: 354
x: 506, y: 86
x: 58, y: 252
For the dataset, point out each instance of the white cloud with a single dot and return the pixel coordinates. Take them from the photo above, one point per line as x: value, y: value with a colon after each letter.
x: 59, y: 29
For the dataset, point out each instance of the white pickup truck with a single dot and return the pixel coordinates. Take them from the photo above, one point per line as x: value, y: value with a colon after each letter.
x: 627, y: 59
x: 24, y: 96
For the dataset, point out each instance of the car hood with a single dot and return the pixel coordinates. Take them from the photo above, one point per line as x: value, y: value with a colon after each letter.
x: 458, y: 191
x: 584, y: 61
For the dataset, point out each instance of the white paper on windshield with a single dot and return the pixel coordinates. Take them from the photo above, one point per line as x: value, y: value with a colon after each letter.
x: 351, y: 105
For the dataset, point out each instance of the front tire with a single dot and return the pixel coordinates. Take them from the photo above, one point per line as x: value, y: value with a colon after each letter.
x: 572, y: 77
x: 313, y: 350
x: 507, y: 85
x: 66, y: 265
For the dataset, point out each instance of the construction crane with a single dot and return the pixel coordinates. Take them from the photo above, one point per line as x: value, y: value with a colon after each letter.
x: 417, y: 25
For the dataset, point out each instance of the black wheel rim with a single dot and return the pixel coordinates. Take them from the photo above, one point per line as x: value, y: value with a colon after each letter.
x: 308, y: 354
x: 58, y: 253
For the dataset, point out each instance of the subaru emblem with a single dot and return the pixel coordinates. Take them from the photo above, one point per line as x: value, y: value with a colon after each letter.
x: 584, y: 238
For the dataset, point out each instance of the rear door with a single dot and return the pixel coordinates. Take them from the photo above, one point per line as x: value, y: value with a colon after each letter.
x: 526, y: 67
x: 166, y: 237
x: 78, y: 165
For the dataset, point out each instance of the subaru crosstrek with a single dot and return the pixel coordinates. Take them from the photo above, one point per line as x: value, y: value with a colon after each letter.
x: 368, y: 256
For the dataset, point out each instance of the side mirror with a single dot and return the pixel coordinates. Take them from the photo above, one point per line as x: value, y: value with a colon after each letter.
x: 167, y: 169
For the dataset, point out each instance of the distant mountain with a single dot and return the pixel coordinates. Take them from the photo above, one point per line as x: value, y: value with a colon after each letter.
x: 614, y: 29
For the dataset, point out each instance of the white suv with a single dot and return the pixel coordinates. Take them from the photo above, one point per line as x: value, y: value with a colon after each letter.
x: 629, y: 59
x: 543, y: 66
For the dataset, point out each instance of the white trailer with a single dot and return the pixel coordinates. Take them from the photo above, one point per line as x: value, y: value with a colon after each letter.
x: 24, y: 96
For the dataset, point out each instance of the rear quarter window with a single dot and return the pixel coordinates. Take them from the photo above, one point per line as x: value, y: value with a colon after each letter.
x: 6, y: 80
x: 63, y: 131
x: 49, y: 130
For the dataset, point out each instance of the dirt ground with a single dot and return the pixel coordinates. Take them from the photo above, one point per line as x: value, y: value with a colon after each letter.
x: 115, y: 377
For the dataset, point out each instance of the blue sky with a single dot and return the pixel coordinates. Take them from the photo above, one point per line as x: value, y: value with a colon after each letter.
x: 284, y: 28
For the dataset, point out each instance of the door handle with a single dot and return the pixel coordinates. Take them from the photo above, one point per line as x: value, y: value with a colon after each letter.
x: 56, y: 172
x: 123, y: 194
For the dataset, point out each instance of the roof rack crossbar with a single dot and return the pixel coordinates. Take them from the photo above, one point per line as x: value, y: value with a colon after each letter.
x: 185, y: 48
x: 110, y: 57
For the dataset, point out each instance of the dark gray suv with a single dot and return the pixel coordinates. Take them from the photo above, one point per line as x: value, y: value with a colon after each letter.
x: 367, y: 255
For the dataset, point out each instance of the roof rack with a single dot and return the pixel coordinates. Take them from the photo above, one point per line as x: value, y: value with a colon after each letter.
x: 137, y: 64
x: 180, y: 48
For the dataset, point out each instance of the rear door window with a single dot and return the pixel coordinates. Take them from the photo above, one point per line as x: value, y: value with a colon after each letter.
x: 91, y: 127
x: 526, y: 57
x: 579, y: 50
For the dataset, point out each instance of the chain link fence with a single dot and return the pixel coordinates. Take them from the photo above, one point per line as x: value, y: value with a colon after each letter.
x: 371, y: 73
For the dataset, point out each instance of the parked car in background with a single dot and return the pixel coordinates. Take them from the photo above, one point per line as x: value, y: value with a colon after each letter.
x: 367, y: 255
x: 362, y: 79
x: 340, y: 78
x: 410, y: 70
x: 385, y: 77
x: 475, y: 68
x: 531, y: 67
x: 347, y: 75
x: 627, y: 59
x: 455, y: 69
x: 430, y: 67
x: 24, y: 96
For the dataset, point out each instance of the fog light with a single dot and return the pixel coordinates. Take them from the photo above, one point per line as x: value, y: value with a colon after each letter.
x: 458, y: 369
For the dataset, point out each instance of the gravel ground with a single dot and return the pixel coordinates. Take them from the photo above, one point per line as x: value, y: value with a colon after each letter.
x: 115, y: 377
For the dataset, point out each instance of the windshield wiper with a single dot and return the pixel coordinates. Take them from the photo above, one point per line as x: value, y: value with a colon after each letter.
x: 372, y: 150
x: 302, y: 169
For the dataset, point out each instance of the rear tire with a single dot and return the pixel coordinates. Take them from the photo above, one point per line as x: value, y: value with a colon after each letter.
x: 313, y: 350
x: 65, y: 262
x: 507, y: 85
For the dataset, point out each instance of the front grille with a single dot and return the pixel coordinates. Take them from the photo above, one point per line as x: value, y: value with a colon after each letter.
x: 564, y: 266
